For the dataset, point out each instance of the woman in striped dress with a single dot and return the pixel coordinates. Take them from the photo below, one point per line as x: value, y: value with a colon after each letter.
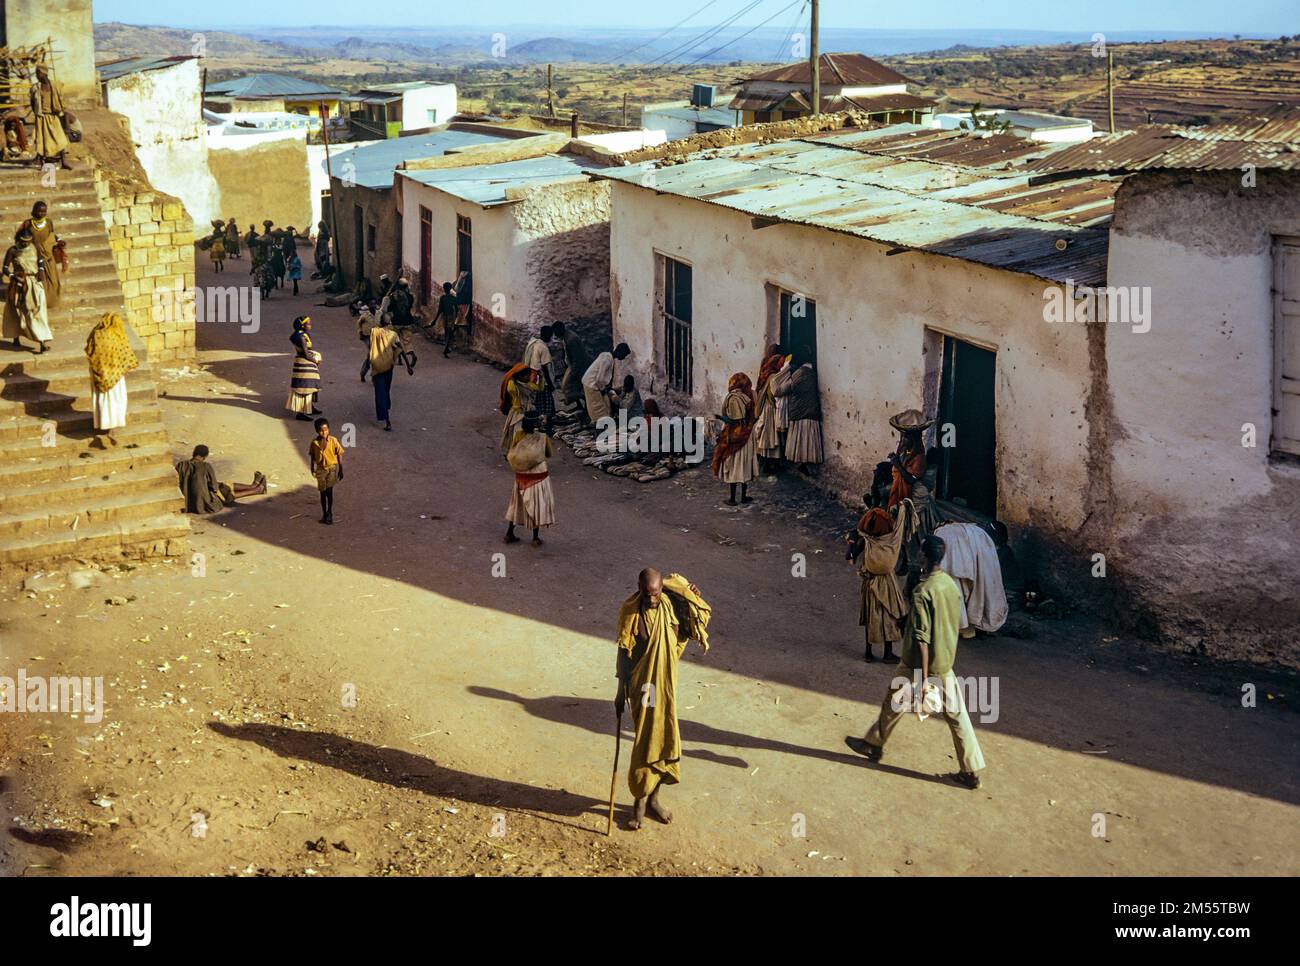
x: 304, y: 388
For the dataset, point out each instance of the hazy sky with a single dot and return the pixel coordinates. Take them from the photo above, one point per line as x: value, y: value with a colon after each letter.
x: 1272, y: 17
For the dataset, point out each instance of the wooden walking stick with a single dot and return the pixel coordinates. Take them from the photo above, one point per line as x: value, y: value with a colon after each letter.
x: 613, y: 779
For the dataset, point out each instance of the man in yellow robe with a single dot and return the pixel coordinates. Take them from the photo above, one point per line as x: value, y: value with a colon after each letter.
x: 654, y: 626
x: 47, y: 108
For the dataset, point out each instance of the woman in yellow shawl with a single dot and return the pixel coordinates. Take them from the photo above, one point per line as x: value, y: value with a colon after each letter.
x: 518, y: 393
x: 108, y: 349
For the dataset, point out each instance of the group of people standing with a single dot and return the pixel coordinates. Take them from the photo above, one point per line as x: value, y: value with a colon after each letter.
x: 777, y: 420
x: 273, y: 254
x: 535, y: 394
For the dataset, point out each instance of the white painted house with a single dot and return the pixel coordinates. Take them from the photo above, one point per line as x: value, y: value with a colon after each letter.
x: 1035, y: 125
x: 533, y: 232
x: 926, y: 264
x: 387, y: 110
x: 162, y: 99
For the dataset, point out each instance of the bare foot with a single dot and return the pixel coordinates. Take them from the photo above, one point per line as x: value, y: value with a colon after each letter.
x: 537, y: 541
x: 657, y: 809
x: 638, y: 815
x: 511, y: 538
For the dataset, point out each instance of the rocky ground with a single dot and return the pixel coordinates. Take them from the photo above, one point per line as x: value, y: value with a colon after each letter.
x: 402, y: 693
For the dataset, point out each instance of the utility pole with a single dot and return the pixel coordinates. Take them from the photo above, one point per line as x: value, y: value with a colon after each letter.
x: 815, y: 59
x: 550, y: 94
x: 1110, y: 89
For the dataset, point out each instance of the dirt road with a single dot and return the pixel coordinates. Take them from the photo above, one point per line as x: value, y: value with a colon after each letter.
x: 369, y: 698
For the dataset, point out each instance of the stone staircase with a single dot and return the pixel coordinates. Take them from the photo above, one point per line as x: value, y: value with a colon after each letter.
x: 59, y: 497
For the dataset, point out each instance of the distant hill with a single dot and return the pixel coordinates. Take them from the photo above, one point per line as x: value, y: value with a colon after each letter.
x: 359, y: 48
x: 562, y: 50
x: 114, y: 41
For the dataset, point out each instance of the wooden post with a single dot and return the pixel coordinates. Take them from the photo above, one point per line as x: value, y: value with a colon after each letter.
x: 625, y: 108
x: 573, y: 125
x: 1110, y: 89
x: 550, y: 93
x: 815, y: 60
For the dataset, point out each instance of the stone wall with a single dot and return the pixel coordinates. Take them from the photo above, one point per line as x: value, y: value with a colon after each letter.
x: 152, y: 238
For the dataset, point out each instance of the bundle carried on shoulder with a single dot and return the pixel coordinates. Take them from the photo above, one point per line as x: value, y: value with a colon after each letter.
x: 693, y: 613
x: 526, y: 454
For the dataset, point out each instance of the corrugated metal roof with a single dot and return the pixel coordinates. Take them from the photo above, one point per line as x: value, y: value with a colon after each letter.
x: 1278, y: 125
x: 982, y: 216
x: 489, y: 185
x: 1266, y: 140
x: 270, y: 85
x: 951, y: 146
x: 880, y: 103
x: 114, y: 69
x: 837, y: 70
x: 721, y: 114
x: 374, y: 163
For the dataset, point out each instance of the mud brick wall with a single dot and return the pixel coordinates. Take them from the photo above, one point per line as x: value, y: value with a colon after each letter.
x: 152, y: 239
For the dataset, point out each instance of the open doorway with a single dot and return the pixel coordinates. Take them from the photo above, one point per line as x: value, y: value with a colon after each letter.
x: 358, y: 243
x: 967, y: 403
x: 464, y: 245
x: 797, y: 315
x: 426, y: 255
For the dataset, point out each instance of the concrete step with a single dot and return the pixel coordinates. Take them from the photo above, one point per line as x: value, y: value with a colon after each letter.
x: 138, y: 432
x: 50, y: 405
x: 68, y: 381
x: 44, y: 467
x: 97, y: 508
x: 68, y: 422
x: 64, y: 356
x: 91, y: 489
x: 150, y: 536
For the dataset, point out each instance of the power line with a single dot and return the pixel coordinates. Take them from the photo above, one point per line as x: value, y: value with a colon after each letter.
x: 660, y: 36
x: 702, y: 38
x: 798, y: 15
x: 745, y: 34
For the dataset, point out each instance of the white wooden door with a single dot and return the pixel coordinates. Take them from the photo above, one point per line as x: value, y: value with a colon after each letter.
x: 1286, y: 346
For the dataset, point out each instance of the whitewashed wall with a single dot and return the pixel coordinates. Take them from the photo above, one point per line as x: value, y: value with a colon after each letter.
x: 164, y: 108
x: 873, y: 312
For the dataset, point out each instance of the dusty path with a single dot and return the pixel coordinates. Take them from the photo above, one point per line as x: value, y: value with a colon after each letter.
x: 485, y: 700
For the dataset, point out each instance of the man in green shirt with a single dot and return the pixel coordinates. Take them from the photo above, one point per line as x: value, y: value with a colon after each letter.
x: 929, y: 650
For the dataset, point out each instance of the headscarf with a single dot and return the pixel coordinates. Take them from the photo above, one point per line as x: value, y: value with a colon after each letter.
x: 735, y: 435
x: 504, y: 401
x: 770, y: 366
x: 300, y: 332
x: 109, y: 351
x: 876, y: 522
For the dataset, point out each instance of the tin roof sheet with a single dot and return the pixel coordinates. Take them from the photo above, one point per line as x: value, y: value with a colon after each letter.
x: 489, y: 185
x: 113, y: 69
x: 829, y: 181
x: 270, y: 85
x: 1269, y: 139
x: 837, y: 70
x: 373, y: 164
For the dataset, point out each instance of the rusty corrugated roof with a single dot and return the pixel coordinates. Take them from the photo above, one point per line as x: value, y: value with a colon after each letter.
x: 838, y: 182
x: 1269, y: 139
x: 1280, y: 124
x: 837, y: 70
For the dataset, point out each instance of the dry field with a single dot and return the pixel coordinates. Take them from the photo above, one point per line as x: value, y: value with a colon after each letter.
x: 1171, y: 82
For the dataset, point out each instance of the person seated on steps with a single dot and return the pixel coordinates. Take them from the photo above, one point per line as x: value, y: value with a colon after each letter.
x: 204, y: 493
